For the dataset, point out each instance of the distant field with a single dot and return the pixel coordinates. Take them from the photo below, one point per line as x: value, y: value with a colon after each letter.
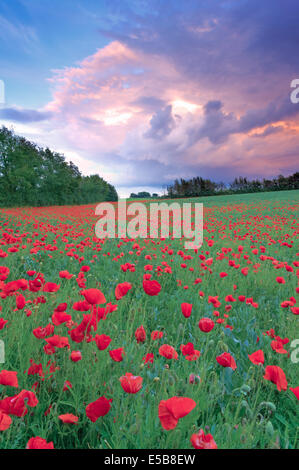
x: 250, y: 198
x: 209, y: 336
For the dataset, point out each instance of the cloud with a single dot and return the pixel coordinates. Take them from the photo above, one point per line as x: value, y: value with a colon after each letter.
x: 149, y: 103
x: 161, y: 123
x: 218, y: 125
x: 24, y: 115
x: 275, y: 111
x: 268, y: 131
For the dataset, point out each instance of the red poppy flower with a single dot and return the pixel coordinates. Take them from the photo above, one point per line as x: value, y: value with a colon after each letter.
x: 2, y: 323
x: 187, y: 349
x: 173, y: 409
x: 65, y: 275
x: 223, y: 274
x: 213, y: 300
x: 151, y: 287
x: 69, y: 418
x: 20, y: 302
x: 156, y: 335
x: 257, y: 357
x: 140, y: 334
x: 85, y: 269
x: 194, y: 356
x: 81, y: 306
x: 189, y: 352
x: 203, y: 441
x: 61, y: 307
x: 226, y: 360
x: 57, y: 341
x: 60, y: 317
x: 277, y: 346
x: 76, y: 356
x: 98, y: 408
x: 276, y: 375
x: 186, y: 309
x: 94, y: 296
x: 5, y: 421
x: 16, y: 405
x: 102, y: 341
x: 41, y: 333
x: 122, y: 289
x: 168, y: 351
x: 4, y: 273
x: 67, y: 385
x: 51, y: 287
x: 117, y: 354
x: 39, y: 443
x: 131, y: 383
x: 78, y: 334
x: 206, y: 325
x: 295, y: 391
x: 31, y: 273
x: 148, y: 359
x: 9, y: 378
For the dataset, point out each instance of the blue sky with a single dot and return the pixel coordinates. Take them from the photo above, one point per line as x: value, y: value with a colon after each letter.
x: 143, y: 92
x: 38, y: 36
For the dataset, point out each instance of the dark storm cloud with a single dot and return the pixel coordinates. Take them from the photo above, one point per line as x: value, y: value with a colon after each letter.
x: 149, y: 103
x: 161, y: 123
x: 218, y: 125
x: 273, y: 112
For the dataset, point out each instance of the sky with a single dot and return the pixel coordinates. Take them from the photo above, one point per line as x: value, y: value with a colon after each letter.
x: 146, y: 91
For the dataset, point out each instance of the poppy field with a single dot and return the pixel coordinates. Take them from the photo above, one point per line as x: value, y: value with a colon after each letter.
x: 141, y: 344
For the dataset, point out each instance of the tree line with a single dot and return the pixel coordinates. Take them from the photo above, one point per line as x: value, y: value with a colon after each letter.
x: 205, y: 187
x: 34, y: 176
x: 144, y: 195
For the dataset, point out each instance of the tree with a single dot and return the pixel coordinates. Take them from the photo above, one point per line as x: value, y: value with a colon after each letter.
x: 33, y: 176
x: 199, y: 186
